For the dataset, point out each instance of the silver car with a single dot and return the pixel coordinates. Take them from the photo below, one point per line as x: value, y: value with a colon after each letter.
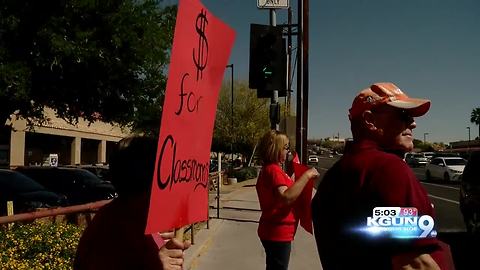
x: 446, y: 168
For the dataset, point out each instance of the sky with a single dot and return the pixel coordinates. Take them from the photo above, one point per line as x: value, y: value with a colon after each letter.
x: 428, y: 48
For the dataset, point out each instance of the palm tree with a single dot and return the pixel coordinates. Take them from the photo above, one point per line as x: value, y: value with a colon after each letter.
x: 475, y: 118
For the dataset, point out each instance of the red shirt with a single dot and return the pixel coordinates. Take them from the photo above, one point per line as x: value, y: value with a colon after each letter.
x: 277, y: 222
x: 364, y: 178
x: 115, y: 238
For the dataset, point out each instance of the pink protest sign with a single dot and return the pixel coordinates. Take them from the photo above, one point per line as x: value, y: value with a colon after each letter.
x: 201, y: 48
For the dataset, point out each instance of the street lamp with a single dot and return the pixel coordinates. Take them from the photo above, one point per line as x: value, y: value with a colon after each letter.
x: 468, y: 138
x: 425, y: 137
x: 231, y: 119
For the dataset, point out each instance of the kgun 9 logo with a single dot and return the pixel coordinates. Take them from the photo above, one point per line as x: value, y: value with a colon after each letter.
x: 400, y: 222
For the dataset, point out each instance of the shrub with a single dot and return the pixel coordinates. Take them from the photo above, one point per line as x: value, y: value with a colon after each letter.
x: 39, y: 245
x: 244, y: 173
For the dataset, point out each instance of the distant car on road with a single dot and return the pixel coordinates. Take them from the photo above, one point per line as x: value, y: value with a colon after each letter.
x: 26, y: 194
x: 78, y: 185
x: 313, y: 159
x: 415, y: 159
x: 446, y: 168
x: 428, y: 155
x: 470, y: 193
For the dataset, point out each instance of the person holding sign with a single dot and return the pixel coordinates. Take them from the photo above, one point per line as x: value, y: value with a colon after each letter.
x: 115, y: 238
x: 277, y: 193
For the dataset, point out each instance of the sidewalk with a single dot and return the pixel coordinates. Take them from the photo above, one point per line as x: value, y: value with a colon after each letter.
x: 231, y: 242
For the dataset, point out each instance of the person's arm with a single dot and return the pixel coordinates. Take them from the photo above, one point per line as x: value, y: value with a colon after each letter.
x: 290, y: 194
x: 420, y: 262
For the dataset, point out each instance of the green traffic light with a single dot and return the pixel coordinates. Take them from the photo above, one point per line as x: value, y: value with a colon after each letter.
x: 267, y: 73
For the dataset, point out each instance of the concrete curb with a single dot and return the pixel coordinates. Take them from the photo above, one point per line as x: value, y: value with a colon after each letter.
x: 202, y: 242
x: 203, y: 237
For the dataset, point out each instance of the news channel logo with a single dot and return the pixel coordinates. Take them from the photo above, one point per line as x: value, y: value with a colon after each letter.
x: 400, y: 222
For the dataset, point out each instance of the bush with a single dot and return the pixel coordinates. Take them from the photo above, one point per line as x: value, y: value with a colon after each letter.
x: 39, y: 245
x: 244, y: 173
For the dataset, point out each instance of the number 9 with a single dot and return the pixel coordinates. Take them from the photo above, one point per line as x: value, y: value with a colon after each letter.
x: 426, y: 228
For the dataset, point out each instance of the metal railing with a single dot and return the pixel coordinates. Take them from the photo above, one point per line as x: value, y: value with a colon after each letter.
x: 92, y: 208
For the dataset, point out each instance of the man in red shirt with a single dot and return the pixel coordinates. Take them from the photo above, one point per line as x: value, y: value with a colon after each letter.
x: 372, y: 174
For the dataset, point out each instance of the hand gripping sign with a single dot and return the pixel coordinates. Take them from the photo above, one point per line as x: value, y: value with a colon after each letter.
x: 201, y: 48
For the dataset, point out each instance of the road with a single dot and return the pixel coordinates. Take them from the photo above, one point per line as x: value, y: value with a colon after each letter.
x: 234, y: 243
x: 445, y: 199
x: 443, y: 196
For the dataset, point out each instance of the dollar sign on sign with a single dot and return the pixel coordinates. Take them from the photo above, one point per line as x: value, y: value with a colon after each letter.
x: 200, y: 58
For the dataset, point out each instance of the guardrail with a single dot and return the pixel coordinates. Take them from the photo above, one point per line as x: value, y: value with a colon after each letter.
x: 214, y: 180
x: 51, y: 212
x: 90, y: 208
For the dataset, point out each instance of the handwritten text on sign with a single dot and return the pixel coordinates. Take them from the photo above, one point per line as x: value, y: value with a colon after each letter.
x: 201, y: 48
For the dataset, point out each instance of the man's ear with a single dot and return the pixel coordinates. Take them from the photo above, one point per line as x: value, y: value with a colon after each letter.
x: 369, y: 120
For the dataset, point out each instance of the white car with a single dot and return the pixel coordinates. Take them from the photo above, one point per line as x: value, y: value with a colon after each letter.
x: 313, y: 159
x: 446, y: 168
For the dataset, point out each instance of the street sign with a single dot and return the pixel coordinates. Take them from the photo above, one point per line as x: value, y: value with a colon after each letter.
x: 273, y: 3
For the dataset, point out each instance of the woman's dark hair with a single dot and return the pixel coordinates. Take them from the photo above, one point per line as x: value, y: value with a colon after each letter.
x: 132, y: 165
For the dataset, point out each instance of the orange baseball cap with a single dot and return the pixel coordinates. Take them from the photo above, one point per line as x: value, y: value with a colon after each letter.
x: 387, y: 93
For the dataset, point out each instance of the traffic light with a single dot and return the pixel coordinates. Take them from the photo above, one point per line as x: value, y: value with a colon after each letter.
x: 268, y: 60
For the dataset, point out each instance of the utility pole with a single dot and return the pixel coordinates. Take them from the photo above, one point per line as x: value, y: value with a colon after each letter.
x: 299, y: 123
x: 302, y: 79
x: 274, y: 100
x: 468, y: 138
x: 231, y: 118
x: 289, y: 61
x: 305, y: 48
x: 288, y: 96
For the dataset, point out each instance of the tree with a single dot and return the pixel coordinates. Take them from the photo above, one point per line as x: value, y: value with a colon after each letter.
x: 250, y: 120
x: 475, y: 118
x: 95, y: 59
x: 422, y: 146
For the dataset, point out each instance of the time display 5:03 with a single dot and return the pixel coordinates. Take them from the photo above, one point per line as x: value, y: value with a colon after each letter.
x: 395, y: 212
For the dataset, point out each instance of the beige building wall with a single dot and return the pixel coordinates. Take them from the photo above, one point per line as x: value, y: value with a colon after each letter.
x: 102, y: 151
x: 76, y: 149
x: 17, y: 145
x: 103, y: 132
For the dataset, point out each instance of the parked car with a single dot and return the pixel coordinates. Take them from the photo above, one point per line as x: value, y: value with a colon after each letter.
x: 102, y: 171
x: 416, y: 159
x: 446, y: 168
x: 214, y: 165
x: 26, y: 194
x: 470, y: 193
x: 313, y: 159
x: 78, y: 185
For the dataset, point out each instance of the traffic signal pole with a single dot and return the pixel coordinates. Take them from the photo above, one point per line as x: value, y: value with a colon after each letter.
x: 299, y: 123
x: 305, y: 89
x: 274, y: 99
x: 302, y: 80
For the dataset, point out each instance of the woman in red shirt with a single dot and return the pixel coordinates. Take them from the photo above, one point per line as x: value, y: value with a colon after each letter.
x: 276, y: 193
